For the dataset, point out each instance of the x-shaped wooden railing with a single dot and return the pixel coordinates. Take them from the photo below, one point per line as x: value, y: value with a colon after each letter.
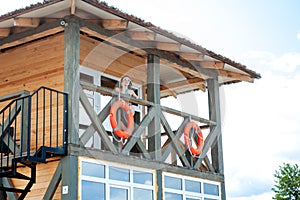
x: 172, y: 143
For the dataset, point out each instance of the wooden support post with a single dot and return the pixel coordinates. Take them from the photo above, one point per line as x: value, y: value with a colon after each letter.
x: 56, y: 178
x: 153, y: 95
x: 215, y: 115
x: 69, y: 190
x: 71, y: 75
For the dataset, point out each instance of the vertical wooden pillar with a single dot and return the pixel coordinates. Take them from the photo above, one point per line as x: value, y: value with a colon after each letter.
x: 215, y: 115
x: 153, y: 95
x: 69, y: 190
x: 71, y: 86
x: 71, y: 76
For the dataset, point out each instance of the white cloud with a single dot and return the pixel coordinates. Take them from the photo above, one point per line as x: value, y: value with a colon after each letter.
x: 298, y: 36
x: 261, y: 125
x: 264, y: 196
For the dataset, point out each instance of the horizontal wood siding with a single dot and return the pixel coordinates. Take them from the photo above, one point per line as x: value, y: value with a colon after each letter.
x: 29, y: 66
x: 44, y: 174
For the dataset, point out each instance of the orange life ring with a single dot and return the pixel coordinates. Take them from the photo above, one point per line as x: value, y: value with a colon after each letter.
x: 188, y: 140
x: 113, y: 119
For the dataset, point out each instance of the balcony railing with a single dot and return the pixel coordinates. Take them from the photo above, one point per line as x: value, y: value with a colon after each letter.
x: 173, y: 150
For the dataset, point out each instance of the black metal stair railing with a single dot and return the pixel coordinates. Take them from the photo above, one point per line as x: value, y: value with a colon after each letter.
x: 32, y: 128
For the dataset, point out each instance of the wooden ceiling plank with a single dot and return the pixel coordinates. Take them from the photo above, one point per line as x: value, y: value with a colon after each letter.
x: 27, y: 22
x: 114, y: 24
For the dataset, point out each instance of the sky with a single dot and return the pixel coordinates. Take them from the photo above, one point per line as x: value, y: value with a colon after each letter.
x: 260, y: 128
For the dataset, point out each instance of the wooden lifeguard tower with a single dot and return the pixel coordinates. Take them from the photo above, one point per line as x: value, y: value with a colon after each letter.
x: 60, y: 61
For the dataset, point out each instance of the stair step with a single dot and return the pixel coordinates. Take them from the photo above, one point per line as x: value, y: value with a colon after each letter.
x: 11, y: 174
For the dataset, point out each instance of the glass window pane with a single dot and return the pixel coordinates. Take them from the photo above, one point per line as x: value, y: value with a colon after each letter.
x: 118, y: 193
x: 192, y: 186
x: 211, y: 189
x: 142, y: 194
x: 119, y: 174
x: 92, y: 190
x: 209, y: 199
x: 93, y: 169
x: 172, y: 182
x: 172, y: 196
x: 145, y: 178
x: 189, y: 198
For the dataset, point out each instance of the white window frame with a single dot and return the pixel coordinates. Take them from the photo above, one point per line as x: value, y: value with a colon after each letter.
x: 115, y: 183
x: 187, y: 194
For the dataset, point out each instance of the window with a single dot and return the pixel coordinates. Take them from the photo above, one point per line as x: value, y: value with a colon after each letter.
x: 177, y: 187
x: 111, y: 181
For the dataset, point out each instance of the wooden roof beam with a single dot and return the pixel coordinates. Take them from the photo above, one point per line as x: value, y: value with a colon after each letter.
x: 167, y: 46
x: 142, y: 35
x: 114, y: 24
x: 27, y: 22
x: 212, y: 64
x: 192, y: 56
x: 4, y: 32
x: 32, y: 34
x: 235, y: 75
x: 73, y: 7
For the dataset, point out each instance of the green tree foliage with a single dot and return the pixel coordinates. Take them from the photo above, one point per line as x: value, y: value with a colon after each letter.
x: 287, y: 183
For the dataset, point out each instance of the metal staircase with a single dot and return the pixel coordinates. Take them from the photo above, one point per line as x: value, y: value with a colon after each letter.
x: 33, y: 128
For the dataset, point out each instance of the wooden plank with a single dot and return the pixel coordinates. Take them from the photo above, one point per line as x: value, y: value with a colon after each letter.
x: 73, y: 7
x: 182, y: 84
x: 143, y: 163
x: 236, y: 76
x: 207, y: 64
x: 209, y: 140
x: 93, y: 117
x: 142, y: 35
x: 71, y: 76
x: 136, y: 135
x: 32, y: 34
x: 89, y: 132
x: 167, y: 46
x: 215, y: 114
x: 70, y: 177
x: 27, y: 22
x: 192, y: 56
x: 114, y: 24
x: 143, y: 149
x: 14, y: 95
x: 53, y: 184
x: 167, y: 145
x: 174, y: 141
x: 4, y: 32
x: 107, y: 91
x: 153, y: 95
